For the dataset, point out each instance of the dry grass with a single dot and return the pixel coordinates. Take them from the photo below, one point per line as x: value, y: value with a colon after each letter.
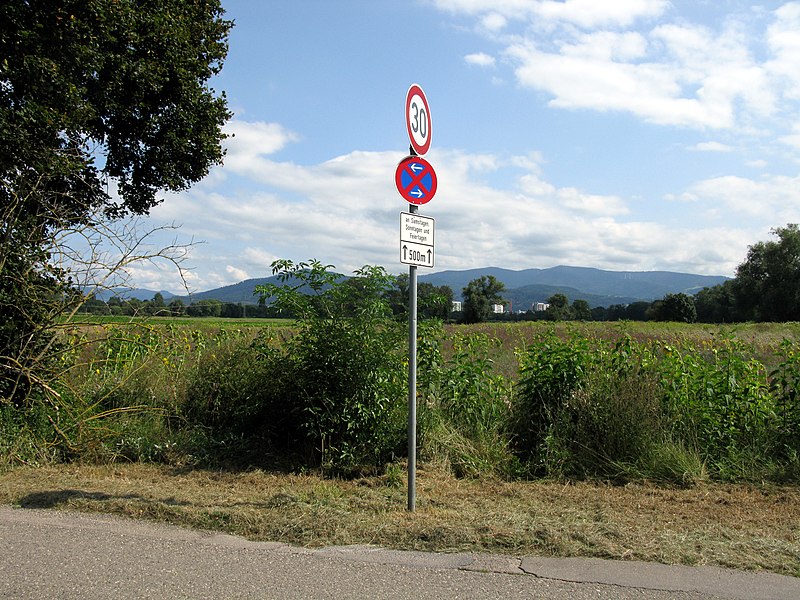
x: 745, y: 527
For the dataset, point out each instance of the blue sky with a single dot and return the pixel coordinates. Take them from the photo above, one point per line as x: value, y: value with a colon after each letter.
x: 626, y: 135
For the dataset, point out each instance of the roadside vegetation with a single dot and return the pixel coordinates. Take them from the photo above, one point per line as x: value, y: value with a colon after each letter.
x: 672, y: 403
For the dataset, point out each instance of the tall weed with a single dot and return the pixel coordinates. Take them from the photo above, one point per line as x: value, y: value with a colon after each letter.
x: 464, y: 403
x: 553, y: 370
x: 677, y: 410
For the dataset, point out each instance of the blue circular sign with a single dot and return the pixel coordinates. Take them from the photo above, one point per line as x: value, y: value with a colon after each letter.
x: 415, y: 180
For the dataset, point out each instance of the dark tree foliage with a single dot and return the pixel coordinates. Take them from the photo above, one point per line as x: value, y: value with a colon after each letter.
x: 559, y: 309
x: 717, y: 304
x: 479, y: 295
x: 581, y: 311
x: 95, y: 96
x: 433, y: 302
x: 92, y: 90
x: 674, y: 307
x: 767, y: 283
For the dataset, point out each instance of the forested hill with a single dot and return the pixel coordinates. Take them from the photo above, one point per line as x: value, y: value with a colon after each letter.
x: 596, y: 286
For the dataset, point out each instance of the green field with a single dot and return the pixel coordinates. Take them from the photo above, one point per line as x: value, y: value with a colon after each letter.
x: 197, y: 322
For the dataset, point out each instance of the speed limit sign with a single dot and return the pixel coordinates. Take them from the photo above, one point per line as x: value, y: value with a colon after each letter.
x: 418, y: 119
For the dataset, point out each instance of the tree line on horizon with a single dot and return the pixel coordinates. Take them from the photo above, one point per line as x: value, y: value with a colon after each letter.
x: 766, y: 288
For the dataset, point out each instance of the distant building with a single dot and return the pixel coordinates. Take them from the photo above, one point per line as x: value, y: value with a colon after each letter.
x: 540, y: 306
x: 455, y: 306
x: 498, y: 309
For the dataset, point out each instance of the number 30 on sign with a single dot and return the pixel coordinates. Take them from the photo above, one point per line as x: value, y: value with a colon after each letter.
x: 418, y: 119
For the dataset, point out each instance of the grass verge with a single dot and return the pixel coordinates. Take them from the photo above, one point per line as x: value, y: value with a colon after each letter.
x: 738, y: 526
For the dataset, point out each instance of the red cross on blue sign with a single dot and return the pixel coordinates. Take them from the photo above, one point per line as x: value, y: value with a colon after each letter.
x: 415, y: 180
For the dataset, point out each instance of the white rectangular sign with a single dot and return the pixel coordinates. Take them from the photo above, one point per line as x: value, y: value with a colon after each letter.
x: 416, y: 239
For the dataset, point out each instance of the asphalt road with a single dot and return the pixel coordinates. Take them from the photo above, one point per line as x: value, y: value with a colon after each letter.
x: 53, y: 554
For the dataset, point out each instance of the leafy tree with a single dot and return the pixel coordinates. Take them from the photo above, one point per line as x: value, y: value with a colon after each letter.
x: 176, y: 307
x: 559, y: 309
x: 717, y: 304
x: 675, y: 307
x: 95, y: 95
x: 205, y: 308
x: 637, y: 311
x: 156, y: 306
x: 581, y: 310
x: 433, y: 302
x: 479, y: 295
x: 122, y: 81
x: 767, y: 283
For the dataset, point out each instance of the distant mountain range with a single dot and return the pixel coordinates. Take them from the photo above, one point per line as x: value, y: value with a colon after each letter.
x: 523, y: 288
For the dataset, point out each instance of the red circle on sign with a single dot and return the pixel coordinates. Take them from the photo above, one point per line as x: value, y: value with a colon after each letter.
x: 418, y: 119
x: 416, y: 180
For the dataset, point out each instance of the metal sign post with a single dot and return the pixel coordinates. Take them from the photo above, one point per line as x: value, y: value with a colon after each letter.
x: 412, y: 382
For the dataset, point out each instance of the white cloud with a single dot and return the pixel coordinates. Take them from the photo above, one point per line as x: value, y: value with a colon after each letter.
x: 783, y: 37
x: 489, y: 210
x: 577, y: 80
x: 756, y: 164
x: 776, y: 198
x: 251, y: 140
x: 611, y: 56
x: 494, y: 22
x: 792, y: 139
x: 259, y: 258
x: 591, y: 13
x: 236, y: 273
x: 480, y: 59
x: 535, y: 223
x: 698, y: 83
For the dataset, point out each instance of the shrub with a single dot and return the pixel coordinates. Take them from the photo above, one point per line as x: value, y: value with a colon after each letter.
x: 345, y: 367
x: 588, y: 408
x: 784, y: 384
x: 236, y: 388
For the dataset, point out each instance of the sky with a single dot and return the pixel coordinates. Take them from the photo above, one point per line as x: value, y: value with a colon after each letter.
x: 633, y: 135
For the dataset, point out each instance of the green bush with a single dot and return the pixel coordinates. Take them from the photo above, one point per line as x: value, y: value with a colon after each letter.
x: 27, y: 435
x: 234, y: 387
x: 333, y: 393
x: 345, y: 368
x: 587, y: 408
x: 719, y: 396
x: 784, y: 384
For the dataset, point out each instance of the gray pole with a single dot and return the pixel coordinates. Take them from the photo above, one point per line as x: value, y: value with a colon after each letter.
x: 412, y: 379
